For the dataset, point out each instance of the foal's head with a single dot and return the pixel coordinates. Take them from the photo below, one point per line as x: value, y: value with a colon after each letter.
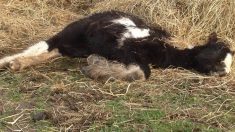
x: 215, y: 57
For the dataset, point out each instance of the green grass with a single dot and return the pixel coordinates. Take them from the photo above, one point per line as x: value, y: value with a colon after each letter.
x: 44, y: 126
x: 146, y: 106
x: 145, y: 119
x: 170, y: 100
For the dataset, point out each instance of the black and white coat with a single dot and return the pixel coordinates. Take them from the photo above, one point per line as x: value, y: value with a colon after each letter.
x: 122, y: 46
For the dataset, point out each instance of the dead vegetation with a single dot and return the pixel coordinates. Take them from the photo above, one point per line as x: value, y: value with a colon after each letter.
x: 189, y: 21
x: 172, y: 99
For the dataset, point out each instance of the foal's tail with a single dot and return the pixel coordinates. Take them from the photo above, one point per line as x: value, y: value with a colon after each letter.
x: 101, y: 69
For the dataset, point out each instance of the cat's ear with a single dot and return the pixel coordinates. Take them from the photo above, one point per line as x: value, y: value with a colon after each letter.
x: 212, y: 38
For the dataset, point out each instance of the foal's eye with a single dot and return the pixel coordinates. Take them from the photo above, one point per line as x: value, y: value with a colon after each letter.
x: 221, y: 63
x: 208, y: 66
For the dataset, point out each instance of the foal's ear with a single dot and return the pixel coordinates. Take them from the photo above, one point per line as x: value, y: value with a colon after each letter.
x: 233, y: 52
x: 212, y: 38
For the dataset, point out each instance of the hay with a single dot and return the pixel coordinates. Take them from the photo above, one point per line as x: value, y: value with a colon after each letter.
x: 28, y: 21
x: 24, y: 22
x: 189, y: 21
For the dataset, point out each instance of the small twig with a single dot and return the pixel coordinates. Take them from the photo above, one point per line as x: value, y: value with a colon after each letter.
x: 4, y: 88
x: 67, y: 129
x: 43, y: 75
x: 214, y: 99
x: 119, y: 123
x: 218, y: 86
x: 12, y: 123
x: 111, y: 92
x: 21, y: 130
x: 10, y: 128
x: 83, y: 84
x: 219, y: 115
x: 108, y: 80
x: 103, y: 92
x: 127, y: 89
x: 205, y: 116
x: 222, y: 105
x: 11, y: 116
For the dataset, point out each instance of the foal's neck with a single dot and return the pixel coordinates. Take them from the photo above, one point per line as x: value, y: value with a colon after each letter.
x: 163, y: 55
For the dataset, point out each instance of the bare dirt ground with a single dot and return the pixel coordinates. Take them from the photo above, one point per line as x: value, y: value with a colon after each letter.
x: 56, y: 96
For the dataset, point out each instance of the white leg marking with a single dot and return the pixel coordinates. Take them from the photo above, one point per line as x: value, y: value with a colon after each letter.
x: 4, y: 61
x: 228, y: 62
x: 23, y: 62
x: 39, y: 48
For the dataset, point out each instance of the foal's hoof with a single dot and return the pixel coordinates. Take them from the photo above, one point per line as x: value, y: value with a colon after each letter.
x: 2, y: 66
x: 15, y: 65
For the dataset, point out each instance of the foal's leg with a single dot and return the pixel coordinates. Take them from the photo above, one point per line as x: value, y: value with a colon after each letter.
x: 23, y: 62
x: 100, y: 68
x: 35, y: 54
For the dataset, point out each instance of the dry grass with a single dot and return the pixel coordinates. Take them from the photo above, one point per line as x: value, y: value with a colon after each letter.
x: 181, y: 100
x: 27, y: 21
x: 189, y: 21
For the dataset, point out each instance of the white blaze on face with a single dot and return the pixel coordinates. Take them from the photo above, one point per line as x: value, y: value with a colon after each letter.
x: 132, y: 31
x: 228, y: 62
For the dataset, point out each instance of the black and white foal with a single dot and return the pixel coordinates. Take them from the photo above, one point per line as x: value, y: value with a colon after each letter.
x: 122, y: 46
